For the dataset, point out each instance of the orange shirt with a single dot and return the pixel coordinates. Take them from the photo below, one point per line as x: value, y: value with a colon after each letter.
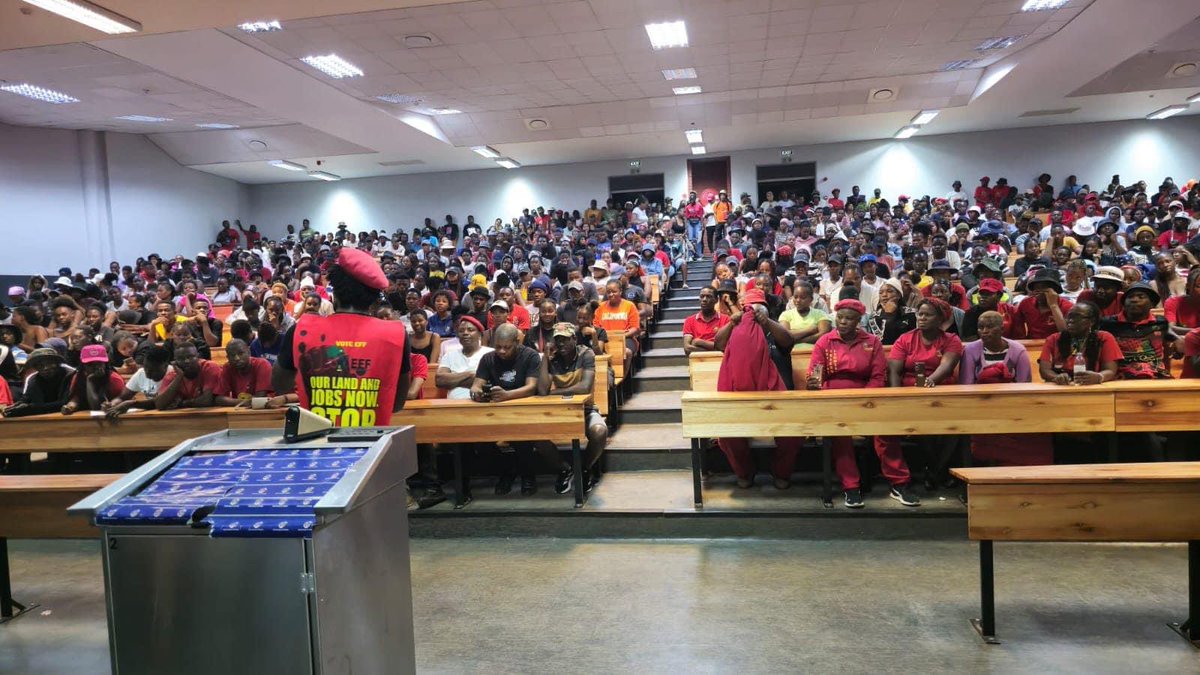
x: 623, y: 317
x: 721, y: 211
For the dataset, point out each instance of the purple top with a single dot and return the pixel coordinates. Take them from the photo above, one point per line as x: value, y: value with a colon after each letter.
x: 972, y: 362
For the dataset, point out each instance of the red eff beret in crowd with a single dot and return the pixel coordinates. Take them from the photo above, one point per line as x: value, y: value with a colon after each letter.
x: 362, y: 267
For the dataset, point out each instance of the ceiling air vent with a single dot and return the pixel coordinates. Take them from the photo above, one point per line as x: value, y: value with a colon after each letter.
x: 537, y: 124
x: 402, y: 162
x: 1049, y: 113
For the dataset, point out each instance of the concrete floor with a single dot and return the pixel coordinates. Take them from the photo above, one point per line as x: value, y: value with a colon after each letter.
x: 748, y: 606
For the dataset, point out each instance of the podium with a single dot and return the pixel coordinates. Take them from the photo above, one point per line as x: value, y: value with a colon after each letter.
x: 236, y: 552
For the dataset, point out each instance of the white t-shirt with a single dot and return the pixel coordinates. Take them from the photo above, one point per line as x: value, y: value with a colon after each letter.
x: 141, y: 383
x: 457, y: 362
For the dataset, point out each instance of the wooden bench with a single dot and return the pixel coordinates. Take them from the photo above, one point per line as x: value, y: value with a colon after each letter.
x: 35, y: 507
x: 946, y: 410
x: 135, y: 431
x: 556, y: 419
x: 1157, y: 502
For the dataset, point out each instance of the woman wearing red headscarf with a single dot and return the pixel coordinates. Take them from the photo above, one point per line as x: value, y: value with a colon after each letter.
x: 926, y: 357
x: 757, y: 352
x: 851, y: 358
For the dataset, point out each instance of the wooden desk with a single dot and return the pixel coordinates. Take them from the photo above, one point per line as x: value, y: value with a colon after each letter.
x: 538, y: 418
x: 1157, y: 502
x: 946, y: 410
x: 35, y: 507
x: 144, y: 430
x: 600, y: 390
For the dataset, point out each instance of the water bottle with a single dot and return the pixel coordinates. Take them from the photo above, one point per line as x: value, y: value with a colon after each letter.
x: 1078, y: 369
x: 920, y: 375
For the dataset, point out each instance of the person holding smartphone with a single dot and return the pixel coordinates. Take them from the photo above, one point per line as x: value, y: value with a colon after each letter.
x: 507, y: 373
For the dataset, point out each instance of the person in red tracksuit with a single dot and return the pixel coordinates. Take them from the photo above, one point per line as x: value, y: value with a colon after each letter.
x: 849, y: 357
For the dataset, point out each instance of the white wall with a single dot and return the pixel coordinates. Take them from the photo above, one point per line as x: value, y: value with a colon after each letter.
x: 923, y: 165
x: 81, y: 199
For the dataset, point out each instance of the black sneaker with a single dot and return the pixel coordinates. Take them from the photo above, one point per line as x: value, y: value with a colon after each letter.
x: 902, y: 495
x: 565, y: 481
x: 504, y: 483
x: 854, y: 499
x: 590, y: 479
x: 528, y: 485
x: 432, y: 497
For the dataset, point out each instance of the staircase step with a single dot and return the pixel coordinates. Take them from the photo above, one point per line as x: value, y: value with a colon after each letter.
x: 679, y: 311
x: 665, y: 338
x: 649, y: 437
x: 652, y: 407
x: 661, y: 378
x: 672, y: 324
x: 665, y: 356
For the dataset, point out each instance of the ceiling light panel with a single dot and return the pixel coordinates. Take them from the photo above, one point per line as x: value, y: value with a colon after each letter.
x: 699, y: 149
x: 401, y: 99
x: 485, y: 151
x: 324, y: 175
x: 260, y: 26
x: 333, y: 66
x: 683, y: 91
x: 1041, y: 5
x: 992, y: 44
x: 93, y: 16
x: 907, y: 132
x: 290, y: 166
x: 39, y: 93
x: 444, y: 111
x: 508, y: 163
x: 217, y: 125
x: 694, y: 135
x: 925, y: 117
x: 667, y: 35
x: 1166, y: 112
x: 960, y: 65
x: 144, y: 118
x: 679, y: 73
x: 1194, y: 98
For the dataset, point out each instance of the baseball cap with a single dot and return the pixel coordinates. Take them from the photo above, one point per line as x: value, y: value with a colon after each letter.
x: 499, y: 303
x: 1109, y: 273
x: 991, y: 285
x: 93, y: 354
x: 564, y: 329
x: 16, y: 290
x: 575, y: 286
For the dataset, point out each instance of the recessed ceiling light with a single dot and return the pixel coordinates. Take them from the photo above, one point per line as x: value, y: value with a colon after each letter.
x: 144, y: 118
x: 401, y: 99
x: 667, y: 35
x: 418, y: 41
x: 1166, y: 112
x: 681, y: 91
x: 217, y: 125
x: 260, y: 26
x: 333, y: 66
x: 1194, y: 98
x: 1039, y: 5
x: 699, y: 149
x: 89, y: 15
x: 992, y: 44
x: 680, y: 73
x: 694, y: 135
x: 959, y: 65
x: 485, y: 151
x: 444, y: 111
x: 290, y: 166
x: 508, y: 163
x: 39, y: 93
x: 925, y: 117
x: 324, y: 175
x: 1186, y: 69
x: 880, y: 95
x: 907, y: 132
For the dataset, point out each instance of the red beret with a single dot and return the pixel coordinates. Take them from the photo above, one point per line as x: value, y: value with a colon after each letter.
x: 850, y: 303
x: 991, y: 285
x: 361, y: 266
x: 471, y: 320
x: 754, y: 296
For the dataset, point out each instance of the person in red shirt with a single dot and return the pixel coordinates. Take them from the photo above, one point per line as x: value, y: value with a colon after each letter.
x: 420, y: 373
x: 1081, y: 341
x: 517, y: 314
x: 1178, y: 235
x: 1106, y: 292
x: 95, y: 383
x: 1043, y: 313
x: 1191, y: 354
x: 193, y: 383
x: 700, y: 329
x: 925, y: 356
x: 244, y: 377
x: 1183, y: 311
x: 983, y: 193
x: 835, y: 202
x: 851, y: 358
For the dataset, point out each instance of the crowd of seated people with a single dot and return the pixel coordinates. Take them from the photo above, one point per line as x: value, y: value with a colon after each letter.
x: 934, y: 278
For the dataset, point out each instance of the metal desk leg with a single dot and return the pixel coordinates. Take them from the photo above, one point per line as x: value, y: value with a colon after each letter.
x: 6, y: 599
x: 827, y: 471
x: 697, y: 487
x: 1190, y: 630
x: 986, y: 625
x: 460, y: 483
x: 1114, y: 450
x: 577, y: 464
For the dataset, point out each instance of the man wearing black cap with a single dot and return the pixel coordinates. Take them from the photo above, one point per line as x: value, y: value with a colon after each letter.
x: 349, y: 367
x: 1146, y: 341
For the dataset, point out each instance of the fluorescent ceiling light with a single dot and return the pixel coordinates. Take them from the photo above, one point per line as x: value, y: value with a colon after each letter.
x: 1039, y: 5
x: 992, y: 44
x: 680, y: 91
x: 217, y: 125
x: 333, y: 66
x: 907, y: 131
x: 667, y: 35
x: 324, y: 175
x: 39, y: 93
x: 1166, y: 112
x: 1195, y: 98
x: 144, y: 118
x: 699, y: 149
x: 485, y: 151
x: 508, y: 163
x: 290, y: 166
x: 924, y: 117
x: 680, y: 73
x: 959, y: 65
x: 89, y: 15
x: 444, y: 111
x: 260, y: 26
x: 694, y: 135
x: 401, y: 99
